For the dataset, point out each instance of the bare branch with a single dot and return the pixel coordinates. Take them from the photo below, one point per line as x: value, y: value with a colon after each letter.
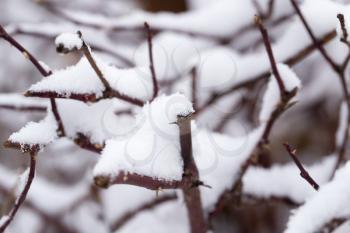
x: 269, y: 51
x: 303, y: 172
x: 120, y: 222
x: 317, y: 43
x: 136, y: 180
x: 151, y: 61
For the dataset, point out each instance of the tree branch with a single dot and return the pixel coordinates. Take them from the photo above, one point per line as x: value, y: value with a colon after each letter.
x: 317, y: 43
x: 303, y: 173
x: 269, y: 51
x: 125, y: 218
x: 190, y: 178
x: 136, y: 180
x: 151, y: 61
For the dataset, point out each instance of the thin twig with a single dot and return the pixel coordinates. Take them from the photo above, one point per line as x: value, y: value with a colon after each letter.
x: 194, y: 85
x: 269, y: 51
x: 303, y: 173
x: 345, y: 34
x: 86, y: 50
x: 125, y: 218
x: 151, y: 60
x: 22, y: 195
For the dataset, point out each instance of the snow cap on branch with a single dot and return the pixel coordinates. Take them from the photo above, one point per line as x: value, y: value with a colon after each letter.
x: 35, y: 134
x: 81, y: 80
x: 67, y: 42
x: 153, y: 148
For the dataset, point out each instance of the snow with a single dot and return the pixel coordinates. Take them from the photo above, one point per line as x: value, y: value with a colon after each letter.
x: 69, y: 41
x: 219, y: 159
x: 284, y: 181
x: 127, y: 198
x: 81, y: 79
x: 49, y: 197
x: 96, y: 121
x: 324, y: 206
x: 36, y: 133
x: 172, y: 54
x: 153, y: 148
x: 272, y: 98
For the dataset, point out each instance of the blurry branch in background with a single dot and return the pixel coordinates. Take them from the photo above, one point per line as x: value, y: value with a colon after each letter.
x: 125, y: 218
x: 22, y: 196
x: 262, y: 152
x: 292, y: 60
x: 340, y: 70
x: 151, y: 61
x: 303, y: 173
x: 194, y: 87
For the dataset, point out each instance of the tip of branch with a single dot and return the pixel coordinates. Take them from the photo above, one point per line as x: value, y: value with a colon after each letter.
x: 257, y: 20
x: 147, y: 26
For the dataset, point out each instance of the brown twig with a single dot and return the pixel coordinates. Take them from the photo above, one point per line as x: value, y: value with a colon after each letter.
x: 345, y: 34
x: 22, y: 195
x: 269, y: 51
x: 151, y: 61
x: 87, y: 53
x: 194, y: 89
x: 136, y: 180
x: 303, y: 173
x: 317, y: 43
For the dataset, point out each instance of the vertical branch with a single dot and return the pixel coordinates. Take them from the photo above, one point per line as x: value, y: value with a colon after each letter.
x: 40, y: 68
x: 303, y: 172
x: 191, y: 178
x: 194, y: 87
x: 151, y: 61
x: 23, y: 194
x: 272, y: 59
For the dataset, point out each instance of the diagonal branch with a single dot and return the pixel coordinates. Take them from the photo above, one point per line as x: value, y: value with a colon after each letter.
x: 41, y: 69
x: 87, y: 53
x: 22, y: 195
x: 313, y: 37
x: 120, y: 222
x: 272, y: 59
x: 303, y: 172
